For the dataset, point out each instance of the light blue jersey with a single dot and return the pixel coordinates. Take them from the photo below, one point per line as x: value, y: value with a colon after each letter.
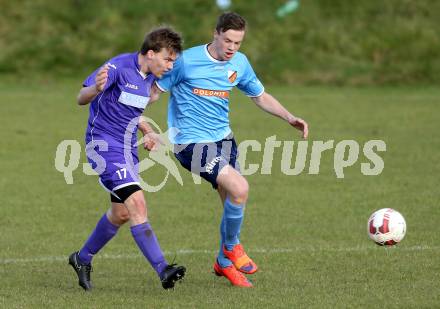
x: 200, y: 87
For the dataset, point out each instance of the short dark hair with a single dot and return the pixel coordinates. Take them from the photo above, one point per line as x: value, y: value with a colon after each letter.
x: 230, y: 20
x: 162, y: 37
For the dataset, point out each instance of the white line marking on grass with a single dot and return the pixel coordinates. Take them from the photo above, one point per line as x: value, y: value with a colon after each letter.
x: 4, y: 261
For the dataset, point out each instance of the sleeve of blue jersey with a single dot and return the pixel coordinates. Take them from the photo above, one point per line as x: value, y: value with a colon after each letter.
x: 249, y: 83
x: 172, y: 77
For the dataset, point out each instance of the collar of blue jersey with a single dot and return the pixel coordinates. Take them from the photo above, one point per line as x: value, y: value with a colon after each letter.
x: 138, y: 68
x: 211, y: 57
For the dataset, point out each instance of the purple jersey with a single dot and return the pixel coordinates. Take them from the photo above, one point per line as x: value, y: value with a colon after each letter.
x: 116, y: 109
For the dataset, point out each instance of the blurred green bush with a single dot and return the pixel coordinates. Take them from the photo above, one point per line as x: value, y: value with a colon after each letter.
x: 325, y: 41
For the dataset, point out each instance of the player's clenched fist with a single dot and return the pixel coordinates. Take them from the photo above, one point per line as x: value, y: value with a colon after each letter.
x: 152, y: 141
x: 101, y: 78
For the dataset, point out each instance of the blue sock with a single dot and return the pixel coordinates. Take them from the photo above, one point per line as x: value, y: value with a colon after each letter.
x: 103, y: 232
x: 147, y: 242
x: 233, y: 215
x: 222, y: 259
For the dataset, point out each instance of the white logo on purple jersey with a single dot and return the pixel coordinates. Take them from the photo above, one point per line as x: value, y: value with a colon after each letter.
x: 131, y: 86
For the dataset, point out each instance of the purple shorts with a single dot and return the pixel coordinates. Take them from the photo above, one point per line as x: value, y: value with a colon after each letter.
x: 116, y: 167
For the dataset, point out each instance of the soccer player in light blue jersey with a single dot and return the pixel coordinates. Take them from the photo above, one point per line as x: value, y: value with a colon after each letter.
x: 200, y: 84
x: 118, y: 93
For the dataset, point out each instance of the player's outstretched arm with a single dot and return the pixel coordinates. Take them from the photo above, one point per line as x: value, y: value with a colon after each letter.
x: 87, y: 94
x: 271, y: 105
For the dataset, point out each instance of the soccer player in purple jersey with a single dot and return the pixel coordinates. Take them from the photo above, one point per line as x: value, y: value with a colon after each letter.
x: 200, y: 83
x: 118, y: 92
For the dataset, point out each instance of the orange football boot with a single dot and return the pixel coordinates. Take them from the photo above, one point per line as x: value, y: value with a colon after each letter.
x: 241, y: 261
x: 234, y: 276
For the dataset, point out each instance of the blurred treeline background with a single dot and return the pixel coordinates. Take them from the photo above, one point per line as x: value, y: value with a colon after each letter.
x: 338, y: 42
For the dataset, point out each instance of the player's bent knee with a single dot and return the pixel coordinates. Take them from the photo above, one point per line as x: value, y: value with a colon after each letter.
x: 118, y: 213
x: 136, y: 206
x: 123, y: 217
x: 239, y: 194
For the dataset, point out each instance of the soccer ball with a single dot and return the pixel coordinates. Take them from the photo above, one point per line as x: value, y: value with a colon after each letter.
x: 386, y: 227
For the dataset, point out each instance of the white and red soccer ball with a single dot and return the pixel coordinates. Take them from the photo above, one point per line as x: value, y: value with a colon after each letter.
x: 386, y: 227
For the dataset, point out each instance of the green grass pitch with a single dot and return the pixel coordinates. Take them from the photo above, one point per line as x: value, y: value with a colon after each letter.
x: 307, y: 232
